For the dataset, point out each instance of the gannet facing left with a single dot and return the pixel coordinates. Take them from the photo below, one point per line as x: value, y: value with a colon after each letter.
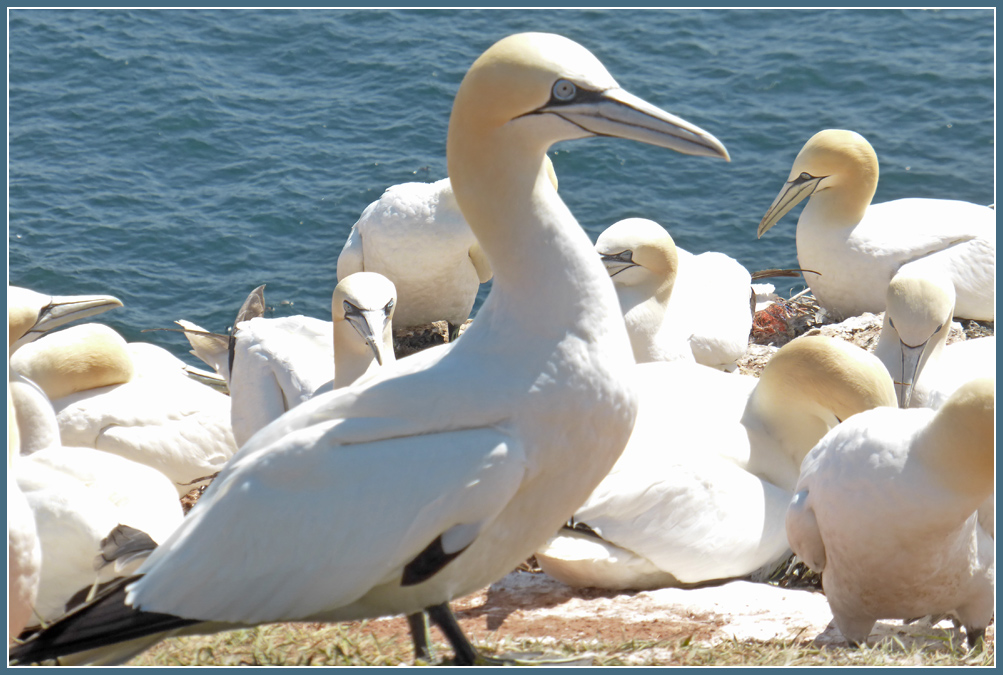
x: 900, y: 489
x: 457, y: 456
x: 677, y: 306
x: 700, y: 492
x: 856, y: 247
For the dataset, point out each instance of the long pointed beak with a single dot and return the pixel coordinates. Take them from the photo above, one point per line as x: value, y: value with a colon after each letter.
x: 911, y: 362
x: 66, y: 308
x: 369, y: 324
x: 618, y: 113
x: 792, y: 193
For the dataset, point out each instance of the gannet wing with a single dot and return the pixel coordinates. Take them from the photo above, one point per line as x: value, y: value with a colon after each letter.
x: 341, y: 520
x: 802, y: 532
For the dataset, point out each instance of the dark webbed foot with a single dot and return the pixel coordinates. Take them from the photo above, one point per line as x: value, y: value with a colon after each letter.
x: 974, y: 635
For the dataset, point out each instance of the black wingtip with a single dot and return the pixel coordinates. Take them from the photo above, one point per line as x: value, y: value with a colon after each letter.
x: 105, y: 620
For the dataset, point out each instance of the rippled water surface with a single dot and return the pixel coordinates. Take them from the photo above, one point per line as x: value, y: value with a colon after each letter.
x: 179, y: 158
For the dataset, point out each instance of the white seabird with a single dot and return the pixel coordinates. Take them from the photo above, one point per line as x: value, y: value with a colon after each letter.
x: 150, y: 414
x: 913, y: 342
x: 24, y: 551
x: 701, y: 490
x: 856, y: 247
x: 457, y: 457
x: 678, y: 306
x: 31, y: 314
x: 899, y: 490
x: 279, y: 363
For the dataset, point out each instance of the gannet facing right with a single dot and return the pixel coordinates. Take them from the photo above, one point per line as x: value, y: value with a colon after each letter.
x: 456, y: 457
x: 913, y: 342
x: 900, y: 489
x: 856, y: 247
x: 31, y: 314
x: 677, y: 306
x: 701, y: 490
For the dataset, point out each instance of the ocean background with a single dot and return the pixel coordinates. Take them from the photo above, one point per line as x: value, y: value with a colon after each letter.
x: 178, y: 158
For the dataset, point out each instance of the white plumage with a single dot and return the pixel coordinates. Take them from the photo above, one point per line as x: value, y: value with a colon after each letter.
x: 856, y: 247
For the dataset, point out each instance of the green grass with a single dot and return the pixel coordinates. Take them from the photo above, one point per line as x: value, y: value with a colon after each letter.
x: 355, y: 644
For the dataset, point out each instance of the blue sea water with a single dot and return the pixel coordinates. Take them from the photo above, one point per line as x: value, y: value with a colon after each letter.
x: 179, y: 158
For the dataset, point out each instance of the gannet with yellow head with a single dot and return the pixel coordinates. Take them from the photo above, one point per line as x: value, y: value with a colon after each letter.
x: 701, y: 490
x: 440, y: 473
x: 677, y: 306
x: 31, y: 314
x: 900, y: 489
x: 856, y: 247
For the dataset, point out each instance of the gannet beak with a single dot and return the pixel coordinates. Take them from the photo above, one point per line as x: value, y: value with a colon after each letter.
x: 911, y: 358
x: 66, y: 308
x: 369, y: 323
x: 618, y: 262
x: 615, y: 112
x: 792, y: 193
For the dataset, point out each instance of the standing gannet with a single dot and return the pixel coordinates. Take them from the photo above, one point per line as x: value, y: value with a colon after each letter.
x: 856, y: 247
x: 913, y: 343
x: 440, y: 473
x: 677, y: 305
x: 162, y: 419
x: 279, y: 363
x: 31, y: 314
x: 899, y: 489
x: 701, y: 490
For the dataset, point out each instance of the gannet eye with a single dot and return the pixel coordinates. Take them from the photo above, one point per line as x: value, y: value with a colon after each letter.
x: 350, y: 308
x: 389, y: 306
x: 891, y: 323
x: 806, y: 176
x: 939, y: 328
x: 564, y: 90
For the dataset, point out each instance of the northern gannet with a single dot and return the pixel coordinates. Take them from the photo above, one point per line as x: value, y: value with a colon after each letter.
x: 440, y: 473
x: 147, y: 414
x: 678, y: 306
x: 24, y: 552
x: 856, y: 247
x: 279, y: 363
x: 78, y: 496
x: 899, y: 490
x: 701, y: 489
x: 913, y: 343
x: 31, y: 314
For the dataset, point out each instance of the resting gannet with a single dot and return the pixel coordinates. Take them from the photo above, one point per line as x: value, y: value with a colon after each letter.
x: 678, y: 306
x: 279, y: 363
x: 441, y: 472
x: 24, y: 552
x: 701, y: 489
x: 913, y: 342
x: 145, y: 413
x: 30, y: 314
x: 898, y: 490
x: 77, y: 497
x: 856, y: 247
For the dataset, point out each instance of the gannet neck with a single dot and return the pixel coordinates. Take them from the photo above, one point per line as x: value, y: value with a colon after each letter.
x: 838, y: 170
x: 13, y: 433
x: 958, y: 445
x: 75, y: 359
x: 812, y: 384
x: 362, y: 309
x: 919, y: 308
x: 36, y: 420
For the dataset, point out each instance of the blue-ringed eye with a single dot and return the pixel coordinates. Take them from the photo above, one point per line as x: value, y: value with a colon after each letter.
x: 564, y: 90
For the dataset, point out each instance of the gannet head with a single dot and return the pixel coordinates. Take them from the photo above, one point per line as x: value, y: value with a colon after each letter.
x: 919, y: 309
x: 958, y: 446
x: 75, y: 359
x: 637, y: 251
x: 815, y: 382
x: 832, y: 158
x: 31, y: 314
x: 366, y: 302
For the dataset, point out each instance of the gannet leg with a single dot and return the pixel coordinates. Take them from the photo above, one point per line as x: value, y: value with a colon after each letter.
x: 418, y: 623
x: 465, y: 654
x: 454, y: 331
